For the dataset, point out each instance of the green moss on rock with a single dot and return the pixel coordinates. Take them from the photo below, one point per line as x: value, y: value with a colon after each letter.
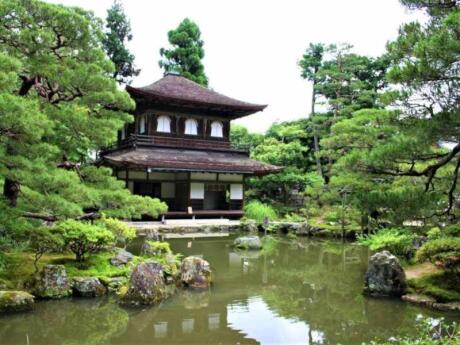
x: 15, y: 301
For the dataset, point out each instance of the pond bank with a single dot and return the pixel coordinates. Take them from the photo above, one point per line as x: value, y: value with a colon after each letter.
x: 224, y: 226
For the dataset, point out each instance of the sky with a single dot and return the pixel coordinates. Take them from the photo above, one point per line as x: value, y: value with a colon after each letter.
x: 252, y: 47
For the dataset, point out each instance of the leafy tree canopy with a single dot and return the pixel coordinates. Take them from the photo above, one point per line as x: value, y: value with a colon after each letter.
x: 59, y: 104
x: 117, y: 36
x: 186, y: 52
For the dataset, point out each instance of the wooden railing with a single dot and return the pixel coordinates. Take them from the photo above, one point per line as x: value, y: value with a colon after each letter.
x: 149, y: 140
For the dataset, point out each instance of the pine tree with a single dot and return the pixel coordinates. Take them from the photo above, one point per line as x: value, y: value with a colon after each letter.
x: 186, y: 52
x: 58, y: 105
x: 117, y: 36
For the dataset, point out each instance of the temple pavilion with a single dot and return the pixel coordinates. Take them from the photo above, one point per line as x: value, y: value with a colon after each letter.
x: 178, y: 149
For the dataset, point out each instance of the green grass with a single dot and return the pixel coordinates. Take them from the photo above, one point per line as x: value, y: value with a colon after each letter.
x: 259, y: 211
x: 443, y: 286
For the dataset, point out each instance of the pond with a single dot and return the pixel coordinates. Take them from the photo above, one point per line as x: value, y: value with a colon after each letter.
x: 304, y: 292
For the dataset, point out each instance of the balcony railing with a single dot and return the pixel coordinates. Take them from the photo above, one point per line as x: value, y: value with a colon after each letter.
x: 186, y: 143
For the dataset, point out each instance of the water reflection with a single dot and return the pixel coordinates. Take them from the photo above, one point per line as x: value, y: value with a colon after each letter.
x: 306, y: 292
x: 269, y: 328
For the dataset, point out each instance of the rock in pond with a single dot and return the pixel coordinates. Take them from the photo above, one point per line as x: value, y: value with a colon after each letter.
x: 88, y: 287
x: 14, y: 301
x: 51, y: 282
x: 195, y: 273
x: 384, y: 276
x: 248, y: 242
x: 146, y: 285
x: 304, y: 229
x: 122, y: 257
x: 114, y: 284
x: 249, y: 226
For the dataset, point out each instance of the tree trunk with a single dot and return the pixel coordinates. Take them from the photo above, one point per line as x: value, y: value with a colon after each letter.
x: 315, y: 135
x: 11, y: 191
x: 12, y: 188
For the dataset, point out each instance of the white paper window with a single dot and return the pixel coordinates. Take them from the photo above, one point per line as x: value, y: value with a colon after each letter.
x: 142, y: 125
x: 196, y: 190
x: 217, y: 129
x: 191, y: 127
x: 164, y: 124
x: 236, y: 192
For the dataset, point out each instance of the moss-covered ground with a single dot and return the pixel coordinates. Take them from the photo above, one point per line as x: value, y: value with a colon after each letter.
x: 444, y: 286
x: 20, y: 267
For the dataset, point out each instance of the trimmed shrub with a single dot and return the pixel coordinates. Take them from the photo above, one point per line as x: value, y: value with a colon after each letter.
x: 82, y: 237
x: 42, y: 241
x: 259, y: 211
x: 122, y: 232
x: 396, y: 241
x: 444, y: 251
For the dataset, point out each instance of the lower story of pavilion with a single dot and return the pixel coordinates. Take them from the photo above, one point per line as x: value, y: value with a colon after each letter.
x: 201, y: 194
x: 193, y: 183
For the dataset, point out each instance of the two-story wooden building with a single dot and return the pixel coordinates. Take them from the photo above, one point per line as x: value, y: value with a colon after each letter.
x: 178, y: 149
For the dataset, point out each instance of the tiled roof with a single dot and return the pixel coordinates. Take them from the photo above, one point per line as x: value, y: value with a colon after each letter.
x: 179, y: 90
x: 188, y: 160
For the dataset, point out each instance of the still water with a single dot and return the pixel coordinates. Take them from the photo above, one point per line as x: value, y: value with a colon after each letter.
x: 304, y: 292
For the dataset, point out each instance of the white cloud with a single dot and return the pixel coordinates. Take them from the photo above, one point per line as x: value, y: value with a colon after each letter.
x: 252, y: 47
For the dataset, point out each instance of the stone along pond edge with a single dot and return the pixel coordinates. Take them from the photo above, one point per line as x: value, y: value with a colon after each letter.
x: 149, y: 284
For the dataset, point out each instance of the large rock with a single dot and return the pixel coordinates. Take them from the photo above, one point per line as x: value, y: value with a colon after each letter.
x: 249, y: 226
x: 122, y: 257
x: 248, y: 242
x: 195, y: 273
x: 152, y: 235
x: 303, y: 229
x: 51, y: 282
x: 88, y: 287
x: 146, y: 286
x: 13, y: 301
x: 385, y: 276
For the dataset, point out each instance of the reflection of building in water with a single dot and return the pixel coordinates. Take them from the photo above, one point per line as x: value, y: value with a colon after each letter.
x: 191, y: 325
x: 161, y: 329
x: 213, y: 321
x: 187, y: 325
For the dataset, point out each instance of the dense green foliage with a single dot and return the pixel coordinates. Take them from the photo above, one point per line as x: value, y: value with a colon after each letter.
x: 444, y: 251
x: 186, y: 52
x: 123, y: 233
x: 162, y: 253
x: 396, y: 241
x: 117, y: 36
x: 259, y: 211
x: 384, y: 149
x: 59, y: 104
x: 82, y: 237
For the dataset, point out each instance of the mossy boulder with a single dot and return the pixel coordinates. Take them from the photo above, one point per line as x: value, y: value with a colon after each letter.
x: 88, y: 287
x: 15, y: 301
x: 249, y: 226
x: 385, y: 276
x: 195, y: 273
x: 248, y: 242
x: 121, y: 257
x: 113, y: 284
x: 51, y: 282
x: 146, y: 286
